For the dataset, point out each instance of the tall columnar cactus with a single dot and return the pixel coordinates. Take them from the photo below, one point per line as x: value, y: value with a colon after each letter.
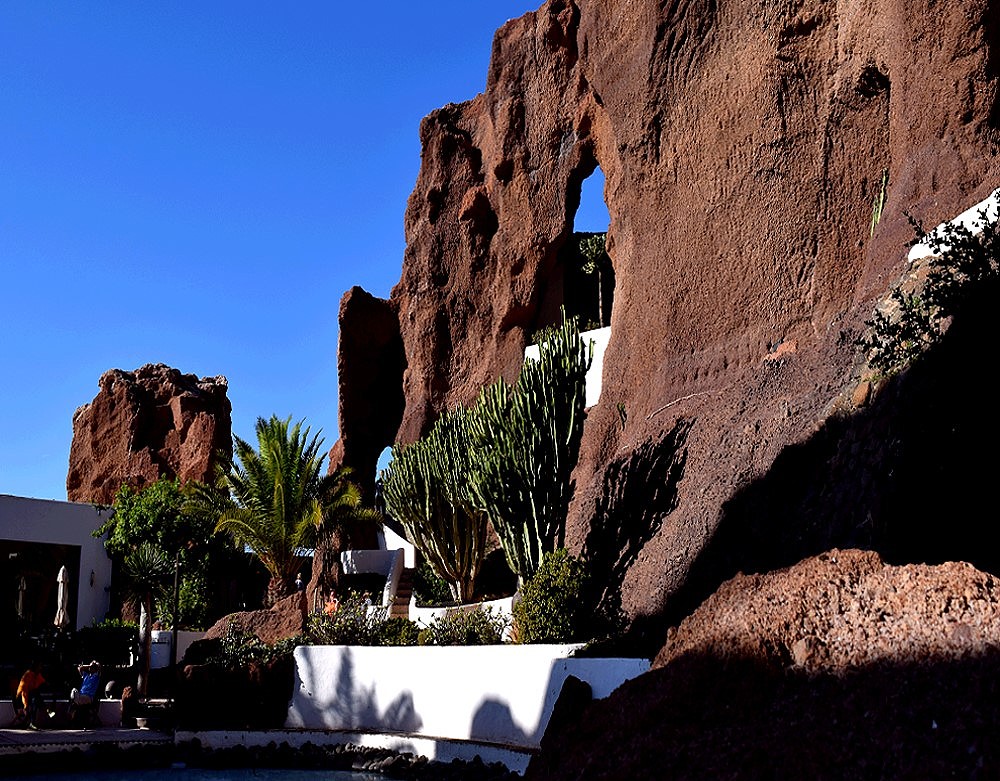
x: 425, y: 490
x: 526, y: 442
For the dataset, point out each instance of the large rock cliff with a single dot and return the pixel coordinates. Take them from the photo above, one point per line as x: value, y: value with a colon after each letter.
x: 142, y: 425
x: 743, y: 146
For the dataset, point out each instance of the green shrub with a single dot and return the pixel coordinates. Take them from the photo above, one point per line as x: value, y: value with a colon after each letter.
x: 239, y: 647
x: 353, y: 623
x: 370, y: 584
x: 429, y: 588
x: 398, y: 631
x: 551, y: 607
x: 964, y: 264
x: 112, y: 642
x: 479, y: 626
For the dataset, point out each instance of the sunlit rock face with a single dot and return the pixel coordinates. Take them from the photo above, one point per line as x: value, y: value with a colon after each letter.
x: 743, y: 146
x: 145, y: 424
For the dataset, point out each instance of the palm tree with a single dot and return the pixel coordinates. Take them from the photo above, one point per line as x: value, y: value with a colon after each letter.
x: 274, y: 498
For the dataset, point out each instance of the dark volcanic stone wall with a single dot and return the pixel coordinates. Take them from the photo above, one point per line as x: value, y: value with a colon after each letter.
x: 743, y: 144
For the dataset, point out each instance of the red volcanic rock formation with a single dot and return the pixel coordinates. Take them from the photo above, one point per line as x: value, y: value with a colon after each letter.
x: 142, y: 425
x: 286, y: 618
x: 743, y: 145
x: 370, y: 364
x: 839, y: 667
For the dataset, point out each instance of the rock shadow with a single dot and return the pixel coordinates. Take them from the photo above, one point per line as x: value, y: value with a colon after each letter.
x: 639, y: 491
x: 705, y: 717
x: 909, y: 476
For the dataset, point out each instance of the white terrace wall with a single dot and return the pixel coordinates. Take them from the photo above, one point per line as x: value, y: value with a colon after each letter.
x: 972, y: 218
x: 502, y: 694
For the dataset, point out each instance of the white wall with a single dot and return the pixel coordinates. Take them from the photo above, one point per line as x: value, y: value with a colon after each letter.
x: 493, y: 694
x: 162, y: 639
x: 599, y: 337
x: 425, y: 616
x: 971, y: 218
x: 65, y: 523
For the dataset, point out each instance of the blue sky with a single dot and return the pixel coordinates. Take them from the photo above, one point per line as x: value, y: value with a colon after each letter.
x: 197, y: 184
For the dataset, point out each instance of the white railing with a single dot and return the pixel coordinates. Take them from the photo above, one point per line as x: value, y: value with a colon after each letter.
x: 379, y: 562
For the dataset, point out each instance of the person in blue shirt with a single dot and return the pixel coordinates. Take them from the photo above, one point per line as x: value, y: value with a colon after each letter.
x: 86, y: 693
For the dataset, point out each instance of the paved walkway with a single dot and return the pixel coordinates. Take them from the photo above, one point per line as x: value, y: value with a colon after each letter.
x: 18, y: 741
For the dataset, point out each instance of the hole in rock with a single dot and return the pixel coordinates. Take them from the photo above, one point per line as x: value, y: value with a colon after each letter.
x: 583, y: 276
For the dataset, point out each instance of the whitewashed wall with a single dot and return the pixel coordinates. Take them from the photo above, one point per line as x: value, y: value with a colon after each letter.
x: 501, y: 694
x: 599, y: 337
x: 65, y: 523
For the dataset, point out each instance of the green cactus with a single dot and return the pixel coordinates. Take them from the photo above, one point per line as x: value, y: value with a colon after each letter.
x: 424, y: 488
x: 526, y: 440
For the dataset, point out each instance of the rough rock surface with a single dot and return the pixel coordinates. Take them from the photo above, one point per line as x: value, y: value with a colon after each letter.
x: 838, y: 667
x: 145, y: 424
x: 284, y: 619
x: 370, y: 359
x: 743, y: 145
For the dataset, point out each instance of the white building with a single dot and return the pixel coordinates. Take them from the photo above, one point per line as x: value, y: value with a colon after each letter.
x: 37, y: 538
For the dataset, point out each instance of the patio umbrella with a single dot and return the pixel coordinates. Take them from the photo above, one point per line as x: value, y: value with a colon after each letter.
x: 22, y: 586
x: 62, y: 599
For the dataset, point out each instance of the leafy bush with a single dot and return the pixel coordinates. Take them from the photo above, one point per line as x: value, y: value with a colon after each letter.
x: 239, y: 647
x: 551, y: 608
x: 192, y: 603
x: 480, y: 626
x: 398, y: 631
x: 430, y: 589
x: 964, y: 264
x: 352, y: 623
x: 369, y: 584
x: 112, y: 642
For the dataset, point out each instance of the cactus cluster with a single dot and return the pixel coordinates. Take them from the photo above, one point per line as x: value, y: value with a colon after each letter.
x: 507, y: 459
x: 425, y: 490
x: 526, y: 440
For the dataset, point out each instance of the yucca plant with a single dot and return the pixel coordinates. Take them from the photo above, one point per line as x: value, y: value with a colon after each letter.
x: 148, y: 572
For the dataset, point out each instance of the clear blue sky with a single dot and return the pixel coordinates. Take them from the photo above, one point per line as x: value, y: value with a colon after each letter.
x: 197, y: 184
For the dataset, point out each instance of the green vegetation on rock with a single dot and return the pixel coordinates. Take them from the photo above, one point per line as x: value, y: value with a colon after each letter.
x: 964, y: 265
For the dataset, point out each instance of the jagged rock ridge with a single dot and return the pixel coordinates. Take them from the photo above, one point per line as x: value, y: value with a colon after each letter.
x: 145, y: 424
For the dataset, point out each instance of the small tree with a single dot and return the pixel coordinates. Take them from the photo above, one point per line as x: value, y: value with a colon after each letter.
x: 147, y: 572
x: 594, y: 254
x: 426, y: 490
x: 155, y: 515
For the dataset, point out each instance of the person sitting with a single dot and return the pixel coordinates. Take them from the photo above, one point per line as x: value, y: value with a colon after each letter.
x: 28, y: 699
x: 84, y: 697
x: 332, y: 604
